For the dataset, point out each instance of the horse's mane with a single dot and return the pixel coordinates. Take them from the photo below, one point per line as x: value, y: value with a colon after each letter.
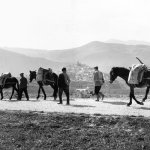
x: 121, y: 70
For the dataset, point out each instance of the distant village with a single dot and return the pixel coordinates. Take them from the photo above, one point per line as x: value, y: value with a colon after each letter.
x: 80, y: 72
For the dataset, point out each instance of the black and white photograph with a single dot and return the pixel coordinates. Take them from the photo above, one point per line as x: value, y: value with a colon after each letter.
x: 74, y: 75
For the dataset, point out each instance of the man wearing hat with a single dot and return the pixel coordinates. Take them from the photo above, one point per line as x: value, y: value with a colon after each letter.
x: 98, y: 80
x: 23, y: 86
x: 63, y: 84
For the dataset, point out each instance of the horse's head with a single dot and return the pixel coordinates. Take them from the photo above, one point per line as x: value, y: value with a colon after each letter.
x: 113, y: 75
x: 32, y: 75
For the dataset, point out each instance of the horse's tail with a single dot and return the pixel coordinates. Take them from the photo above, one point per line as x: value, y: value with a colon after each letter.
x: 56, y: 78
x: 56, y: 82
x: 55, y: 86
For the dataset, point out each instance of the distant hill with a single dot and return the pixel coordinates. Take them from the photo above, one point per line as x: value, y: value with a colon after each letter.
x: 17, y: 63
x: 129, y: 42
x: 81, y: 76
x: 104, y: 55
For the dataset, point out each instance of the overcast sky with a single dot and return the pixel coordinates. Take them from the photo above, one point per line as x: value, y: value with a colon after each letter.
x: 61, y: 24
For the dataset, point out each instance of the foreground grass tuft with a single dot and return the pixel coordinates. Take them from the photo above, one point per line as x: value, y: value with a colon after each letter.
x: 40, y: 131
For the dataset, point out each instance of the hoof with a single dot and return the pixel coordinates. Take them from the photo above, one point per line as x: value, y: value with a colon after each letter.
x: 141, y: 103
x: 128, y: 105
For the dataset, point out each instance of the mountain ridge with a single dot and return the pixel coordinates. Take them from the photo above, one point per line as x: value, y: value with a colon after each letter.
x: 17, y: 63
x: 104, y: 55
x: 128, y: 42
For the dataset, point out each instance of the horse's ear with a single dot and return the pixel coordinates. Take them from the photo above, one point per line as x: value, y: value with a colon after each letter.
x: 30, y: 71
x: 129, y: 68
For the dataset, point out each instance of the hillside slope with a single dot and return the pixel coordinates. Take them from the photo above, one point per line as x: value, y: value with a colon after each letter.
x: 104, y: 55
x: 17, y: 63
x: 129, y: 42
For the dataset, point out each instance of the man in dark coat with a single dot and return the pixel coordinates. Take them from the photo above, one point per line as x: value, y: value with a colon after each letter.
x: 63, y: 84
x: 23, y: 87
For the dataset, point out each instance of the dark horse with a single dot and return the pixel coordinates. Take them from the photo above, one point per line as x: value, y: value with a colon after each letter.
x: 124, y: 73
x: 52, y: 81
x: 10, y: 82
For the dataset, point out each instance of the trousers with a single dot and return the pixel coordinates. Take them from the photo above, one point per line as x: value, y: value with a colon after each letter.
x: 66, y: 90
x: 21, y: 90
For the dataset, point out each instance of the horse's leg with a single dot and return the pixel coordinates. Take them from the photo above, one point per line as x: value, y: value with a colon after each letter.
x: 39, y: 92
x: 55, y: 91
x: 12, y: 93
x: 1, y: 93
x: 147, y: 91
x: 16, y: 90
x: 43, y: 92
x: 133, y: 96
x: 130, y: 95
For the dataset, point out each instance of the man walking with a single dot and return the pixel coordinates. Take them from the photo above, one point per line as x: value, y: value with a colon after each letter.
x: 23, y: 87
x: 63, y: 84
x: 98, y: 80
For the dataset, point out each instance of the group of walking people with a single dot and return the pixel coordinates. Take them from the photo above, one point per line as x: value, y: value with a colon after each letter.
x: 63, y: 85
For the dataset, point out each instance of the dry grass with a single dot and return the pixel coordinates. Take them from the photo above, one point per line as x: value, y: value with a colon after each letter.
x: 40, y: 131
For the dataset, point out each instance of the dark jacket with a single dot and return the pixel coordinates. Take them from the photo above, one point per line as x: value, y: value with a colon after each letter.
x: 62, y: 81
x: 23, y: 82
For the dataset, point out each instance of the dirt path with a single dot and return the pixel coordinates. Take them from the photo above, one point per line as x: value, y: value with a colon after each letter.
x: 113, y: 106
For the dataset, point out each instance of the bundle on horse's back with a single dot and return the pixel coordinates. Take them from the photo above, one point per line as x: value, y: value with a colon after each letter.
x: 44, y: 77
x: 40, y: 75
x: 3, y: 78
x: 136, y: 73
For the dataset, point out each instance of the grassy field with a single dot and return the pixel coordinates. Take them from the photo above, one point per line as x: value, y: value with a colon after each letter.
x: 53, y: 131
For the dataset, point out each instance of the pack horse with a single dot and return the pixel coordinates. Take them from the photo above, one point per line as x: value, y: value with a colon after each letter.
x: 7, y: 81
x: 45, y: 77
x: 124, y: 73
